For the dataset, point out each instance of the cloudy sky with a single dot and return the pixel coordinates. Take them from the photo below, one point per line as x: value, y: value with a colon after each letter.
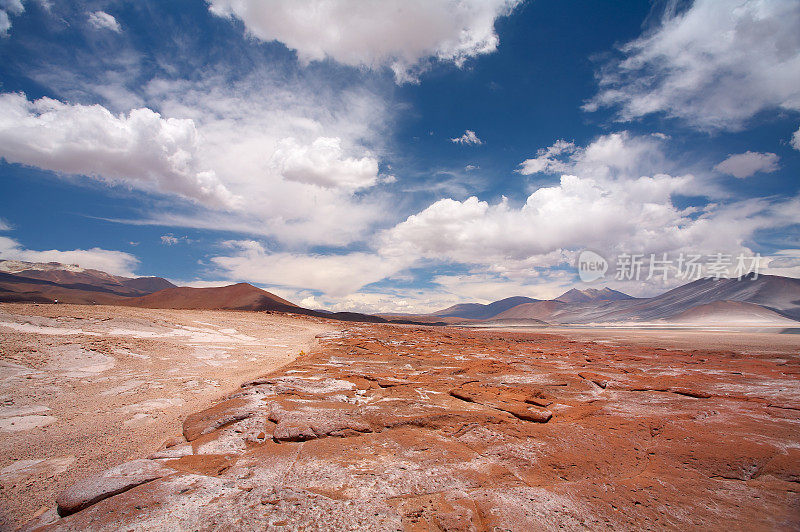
x: 402, y: 155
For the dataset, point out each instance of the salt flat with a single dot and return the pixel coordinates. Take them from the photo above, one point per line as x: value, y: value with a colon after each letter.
x: 85, y: 387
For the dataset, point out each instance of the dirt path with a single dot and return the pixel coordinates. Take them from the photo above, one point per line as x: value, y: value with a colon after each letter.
x: 83, y: 387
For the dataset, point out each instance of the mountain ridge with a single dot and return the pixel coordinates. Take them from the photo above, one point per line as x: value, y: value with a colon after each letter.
x: 779, y: 296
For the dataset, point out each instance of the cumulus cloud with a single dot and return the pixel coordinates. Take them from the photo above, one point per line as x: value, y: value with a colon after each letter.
x: 607, y: 205
x: 469, y: 137
x: 400, y: 34
x: 300, y: 156
x: 795, y: 142
x: 714, y: 65
x: 746, y: 164
x: 103, y: 21
x: 297, y: 154
x: 335, y: 275
x: 608, y: 202
x: 578, y: 212
x: 169, y: 240
x: 324, y: 163
x: 113, y: 262
x: 141, y: 149
x: 614, y: 155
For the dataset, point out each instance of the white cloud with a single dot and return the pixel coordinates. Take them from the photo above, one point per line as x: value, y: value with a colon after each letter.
x: 471, y: 167
x: 14, y: 7
x: 142, y: 150
x: 608, y: 205
x: 469, y: 137
x: 169, y: 240
x: 400, y: 34
x: 5, y: 23
x: 613, y: 155
x: 103, y: 21
x: 487, y: 287
x: 547, y: 159
x: 4, y: 225
x: 746, y: 164
x: 300, y: 156
x: 795, y: 142
x: 324, y: 164
x: 335, y: 275
x: 715, y: 65
x: 113, y: 262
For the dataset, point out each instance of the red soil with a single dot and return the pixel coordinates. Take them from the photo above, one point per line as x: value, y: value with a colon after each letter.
x: 400, y: 428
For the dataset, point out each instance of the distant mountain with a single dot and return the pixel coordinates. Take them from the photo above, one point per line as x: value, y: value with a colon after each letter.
x: 527, y: 307
x: 241, y: 296
x: 69, y: 283
x: 730, y: 313
x: 51, y: 282
x: 779, y: 295
x: 537, y: 310
x: 478, y: 311
x: 592, y: 294
x: 148, y: 284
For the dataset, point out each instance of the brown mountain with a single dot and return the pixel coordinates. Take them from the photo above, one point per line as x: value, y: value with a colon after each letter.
x: 731, y: 313
x: 479, y: 311
x: 592, y: 294
x: 241, y: 296
x: 48, y: 282
x: 25, y: 282
x: 538, y: 310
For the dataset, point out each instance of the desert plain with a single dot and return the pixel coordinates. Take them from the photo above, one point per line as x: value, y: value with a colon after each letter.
x: 137, y: 419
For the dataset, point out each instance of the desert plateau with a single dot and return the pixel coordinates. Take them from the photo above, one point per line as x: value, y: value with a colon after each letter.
x: 399, y: 265
x: 120, y: 418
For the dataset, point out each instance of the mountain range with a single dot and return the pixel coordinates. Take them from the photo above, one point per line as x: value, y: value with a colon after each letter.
x: 751, y: 300
x: 762, y: 299
x: 52, y: 282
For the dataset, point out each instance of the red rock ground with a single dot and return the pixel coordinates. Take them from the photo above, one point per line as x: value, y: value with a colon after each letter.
x: 403, y: 428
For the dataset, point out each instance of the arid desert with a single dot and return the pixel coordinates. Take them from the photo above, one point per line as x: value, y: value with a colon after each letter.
x: 126, y: 418
x: 399, y: 265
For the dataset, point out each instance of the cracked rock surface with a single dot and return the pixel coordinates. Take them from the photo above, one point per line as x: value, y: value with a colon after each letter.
x: 414, y: 428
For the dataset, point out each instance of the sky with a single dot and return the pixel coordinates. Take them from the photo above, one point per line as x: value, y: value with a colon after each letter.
x: 405, y: 155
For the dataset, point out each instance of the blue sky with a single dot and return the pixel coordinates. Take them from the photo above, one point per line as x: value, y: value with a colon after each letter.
x: 399, y: 155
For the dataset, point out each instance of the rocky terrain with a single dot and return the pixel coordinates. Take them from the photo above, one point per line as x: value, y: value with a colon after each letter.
x: 83, y: 388
x: 417, y: 428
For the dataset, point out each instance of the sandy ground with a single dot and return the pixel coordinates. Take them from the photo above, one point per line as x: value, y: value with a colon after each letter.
x: 84, y: 387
